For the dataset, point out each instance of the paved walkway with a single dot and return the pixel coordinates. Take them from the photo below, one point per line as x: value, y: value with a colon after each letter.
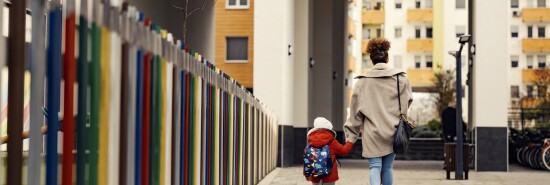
x: 413, y: 173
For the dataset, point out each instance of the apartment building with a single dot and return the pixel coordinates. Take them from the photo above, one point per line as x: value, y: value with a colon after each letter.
x: 422, y: 33
x: 529, y: 48
x: 234, y: 39
x: 354, y: 39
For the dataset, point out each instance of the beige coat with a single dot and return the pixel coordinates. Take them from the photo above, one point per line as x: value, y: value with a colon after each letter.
x: 374, y: 109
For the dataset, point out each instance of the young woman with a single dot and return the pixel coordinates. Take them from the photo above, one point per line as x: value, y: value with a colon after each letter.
x: 374, y: 111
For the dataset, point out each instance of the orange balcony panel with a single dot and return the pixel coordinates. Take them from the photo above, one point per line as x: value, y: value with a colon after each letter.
x: 364, y: 44
x: 535, y: 45
x: 420, y: 45
x: 535, y: 14
x: 420, y: 77
x: 373, y: 17
x: 420, y: 15
x: 531, y: 102
x: 530, y: 76
x: 351, y: 28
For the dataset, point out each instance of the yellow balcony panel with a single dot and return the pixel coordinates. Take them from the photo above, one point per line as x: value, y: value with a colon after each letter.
x: 420, y: 77
x: 530, y: 76
x: 535, y: 14
x: 364, y: 44
x: 531, y: 102
x: 420, y: 45
x: 373, y: 17
x: 351, y: 28
x: 351, y: 63
x: 420, y: 15
x: 536, y: 45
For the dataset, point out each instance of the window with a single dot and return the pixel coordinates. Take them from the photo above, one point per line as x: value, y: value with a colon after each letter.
x: 529, y: 31
x: 515, y: 61
x: 398, y: 4
x: 530, y: 90
x: 542, y: 61
x: 515, y: 31
x: 366, y: 33
x: 429, y: 62
x: 398, y: 62
x: 529, y: 62
x: 541, y: 91
x: 417, y: 62
x: 428, y: 3
x: 541, y: 31
x: 398, y: 32
x: 378, y: 5
x: 378, y: 32
x: 530, y: 4
x: 460, y: 4
x: 429, y: 32
x: 237, y: 49
x: 460, y: 30
x: 514, y: 91
x: 237, y: 4
x: 417, y: 32
x: 368, y: 4
x: 515, y: 3
x: 417, y: 4
x: 541, y: 3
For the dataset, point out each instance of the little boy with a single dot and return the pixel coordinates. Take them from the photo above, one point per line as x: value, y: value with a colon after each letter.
x: 321, y: 135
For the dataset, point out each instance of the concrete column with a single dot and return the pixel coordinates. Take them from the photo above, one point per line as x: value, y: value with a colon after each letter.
x: 273, y: 66
x: 490, y: 104
x: 301, y: 74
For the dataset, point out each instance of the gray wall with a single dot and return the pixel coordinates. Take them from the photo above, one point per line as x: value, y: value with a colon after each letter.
x: 200, y: 26
x: 328, y: 52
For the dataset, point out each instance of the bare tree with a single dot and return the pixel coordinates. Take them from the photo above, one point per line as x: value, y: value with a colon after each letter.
x: 444, y: 88
x: 541, y: 79
x: 189, y: 8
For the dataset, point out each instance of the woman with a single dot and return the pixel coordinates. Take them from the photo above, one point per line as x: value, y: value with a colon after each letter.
x: 374, y: 111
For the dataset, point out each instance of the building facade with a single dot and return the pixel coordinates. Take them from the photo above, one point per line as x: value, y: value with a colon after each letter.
x: 234, y: 39
x: 529, y: 48
x: 422, y: 33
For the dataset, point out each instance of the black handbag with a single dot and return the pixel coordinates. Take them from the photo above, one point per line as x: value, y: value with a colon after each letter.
x: 404, y: 129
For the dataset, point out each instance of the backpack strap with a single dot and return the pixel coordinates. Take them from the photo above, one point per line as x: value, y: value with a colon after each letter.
x: 399, y: 95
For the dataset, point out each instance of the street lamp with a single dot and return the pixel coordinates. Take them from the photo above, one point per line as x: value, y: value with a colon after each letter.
x: 459, y: 157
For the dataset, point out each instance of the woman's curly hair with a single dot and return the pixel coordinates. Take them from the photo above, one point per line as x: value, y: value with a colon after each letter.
x: 378, y: 50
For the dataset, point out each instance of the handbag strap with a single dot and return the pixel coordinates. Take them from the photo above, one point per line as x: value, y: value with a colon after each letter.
x: 399, y: 95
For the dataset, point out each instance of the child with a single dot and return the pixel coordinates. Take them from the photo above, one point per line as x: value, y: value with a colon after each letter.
x: 321, y: 135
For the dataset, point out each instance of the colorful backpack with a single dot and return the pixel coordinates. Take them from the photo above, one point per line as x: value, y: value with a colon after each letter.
x: 317, y: 161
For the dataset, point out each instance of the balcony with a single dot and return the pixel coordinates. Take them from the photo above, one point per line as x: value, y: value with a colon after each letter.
x: 351, y: 28
x: 535, y: 14
x: 373, y: 17
x: 420, y: 78
x: 420, y: 45
x: 531, y: 102
x: 535, y: 45
x: 420, y: 15
x: 531, y: 76
x: 364, y: 44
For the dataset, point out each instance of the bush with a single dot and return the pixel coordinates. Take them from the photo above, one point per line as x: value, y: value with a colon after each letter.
x: 434, y: 125
x: 542, y: 126
x: 424, y: 131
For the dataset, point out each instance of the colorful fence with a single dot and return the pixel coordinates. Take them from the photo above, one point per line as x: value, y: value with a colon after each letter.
x: 137, y: 106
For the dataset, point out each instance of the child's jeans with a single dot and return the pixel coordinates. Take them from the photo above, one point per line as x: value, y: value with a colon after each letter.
x: 381, y: 164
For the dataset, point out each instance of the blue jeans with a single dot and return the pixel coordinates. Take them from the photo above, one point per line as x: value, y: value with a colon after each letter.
x: 382, y: 165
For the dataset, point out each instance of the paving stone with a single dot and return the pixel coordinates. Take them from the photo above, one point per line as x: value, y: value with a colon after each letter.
x: 356, y: 172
